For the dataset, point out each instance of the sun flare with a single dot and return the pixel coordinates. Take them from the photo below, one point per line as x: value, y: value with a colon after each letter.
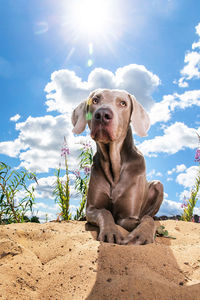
x: 91, y: 18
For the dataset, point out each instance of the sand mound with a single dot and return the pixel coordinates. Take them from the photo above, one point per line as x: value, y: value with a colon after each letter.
x: 64, y: 261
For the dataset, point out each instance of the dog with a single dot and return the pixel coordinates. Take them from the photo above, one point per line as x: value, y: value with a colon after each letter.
x: 118, y: 191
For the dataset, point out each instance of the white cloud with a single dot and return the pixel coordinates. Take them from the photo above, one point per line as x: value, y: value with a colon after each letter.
x: 161, y: 111
x: 181, y: 82
x: 192, y: 68
x: 40, y: 205
x: 39, y: 142
x: 153, y: 173
x: 187, y: 179
x: 176, y: 137
x: 177, y: 169
x: 184, y: 195
x: 45, y: 212
x: 45, y: 186
x: 180, y: 168
x: 169, y: 179
x: 66, y: 89
x: 170, y: 208
x: 196, y: 45
x: 192, y: 63
x: 12, y: 148
x: 15, y: 118
x: 171, y: 171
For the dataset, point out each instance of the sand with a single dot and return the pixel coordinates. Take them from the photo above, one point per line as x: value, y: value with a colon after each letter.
x: 65, y: 261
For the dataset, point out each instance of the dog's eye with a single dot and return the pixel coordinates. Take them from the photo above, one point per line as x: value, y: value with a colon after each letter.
x: 123, y: 103
x: 95, y: 101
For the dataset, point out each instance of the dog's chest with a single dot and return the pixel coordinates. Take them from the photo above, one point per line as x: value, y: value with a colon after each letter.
x: 121, y: 200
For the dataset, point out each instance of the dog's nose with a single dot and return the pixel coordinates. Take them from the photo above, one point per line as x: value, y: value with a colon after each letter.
x: 103, y: 115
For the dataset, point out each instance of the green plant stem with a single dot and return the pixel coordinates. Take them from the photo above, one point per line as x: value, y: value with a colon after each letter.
x: 10, y: 185
x: 188, y: 211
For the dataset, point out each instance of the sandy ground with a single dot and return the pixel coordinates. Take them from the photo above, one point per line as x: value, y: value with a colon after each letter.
x: 65, y: 261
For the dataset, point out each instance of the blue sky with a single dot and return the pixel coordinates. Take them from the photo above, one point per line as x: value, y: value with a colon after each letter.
x: 53, y: 53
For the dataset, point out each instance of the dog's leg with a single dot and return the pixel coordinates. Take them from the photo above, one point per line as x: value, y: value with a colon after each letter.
x: 108, y: 231
x: 154, y: 198
x: 145, y: 231
x: 99, y: 207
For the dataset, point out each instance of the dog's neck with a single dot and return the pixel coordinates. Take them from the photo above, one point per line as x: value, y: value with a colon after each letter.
x: 111, y: 156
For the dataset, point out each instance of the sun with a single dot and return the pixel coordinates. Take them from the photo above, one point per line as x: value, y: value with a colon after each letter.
x: 91, y: 18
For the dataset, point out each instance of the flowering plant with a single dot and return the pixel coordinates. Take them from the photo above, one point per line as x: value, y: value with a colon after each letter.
x: 13, y: 210
x: 189, y: 204
x: 61, y: 190
x: 82, y: 178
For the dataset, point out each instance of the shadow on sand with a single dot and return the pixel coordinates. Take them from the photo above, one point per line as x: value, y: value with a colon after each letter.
x: 140, y: 272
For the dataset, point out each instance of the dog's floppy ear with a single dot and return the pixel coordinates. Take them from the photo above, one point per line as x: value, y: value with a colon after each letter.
x: 79, y: 118
x: 139, y: 118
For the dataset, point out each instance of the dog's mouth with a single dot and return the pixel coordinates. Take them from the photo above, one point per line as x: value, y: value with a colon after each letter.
x: 103, y: 125
x: 101, y: 133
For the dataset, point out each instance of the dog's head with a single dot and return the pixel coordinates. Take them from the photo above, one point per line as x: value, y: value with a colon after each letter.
x: 108, y: 114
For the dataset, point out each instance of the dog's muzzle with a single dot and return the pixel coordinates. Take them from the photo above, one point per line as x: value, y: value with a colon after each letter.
x: 103, y: 116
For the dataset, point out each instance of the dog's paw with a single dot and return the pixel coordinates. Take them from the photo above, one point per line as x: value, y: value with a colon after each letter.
x: 138, y: 237
x: 110, y: 235
x: 142, y: 235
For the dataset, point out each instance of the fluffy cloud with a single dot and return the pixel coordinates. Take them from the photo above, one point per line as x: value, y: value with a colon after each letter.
x: 186, y: 195
x: 39, y: 142
x: 170, y: 208
x: 176, y: 137
x: 43, y: 137
x: 12, y: 148
x: 15, y: 118
x: 192, y: 68
x: 45, y: 186
x: 192, y: 63
x: 161, y: 111
x: 49, y: 213
x: 66, y: 89
x: 177, y: 169
x: 187, y: 179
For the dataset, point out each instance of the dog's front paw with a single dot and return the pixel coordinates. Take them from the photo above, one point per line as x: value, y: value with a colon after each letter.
x: 110, y: 235
x: 143, y: 234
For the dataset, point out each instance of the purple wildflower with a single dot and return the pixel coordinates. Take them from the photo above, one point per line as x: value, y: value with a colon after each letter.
x: 87, y: 170
x: 197, y: 155
x: 64, y: 150
x: 87, y: 145
x: 77, y: 173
